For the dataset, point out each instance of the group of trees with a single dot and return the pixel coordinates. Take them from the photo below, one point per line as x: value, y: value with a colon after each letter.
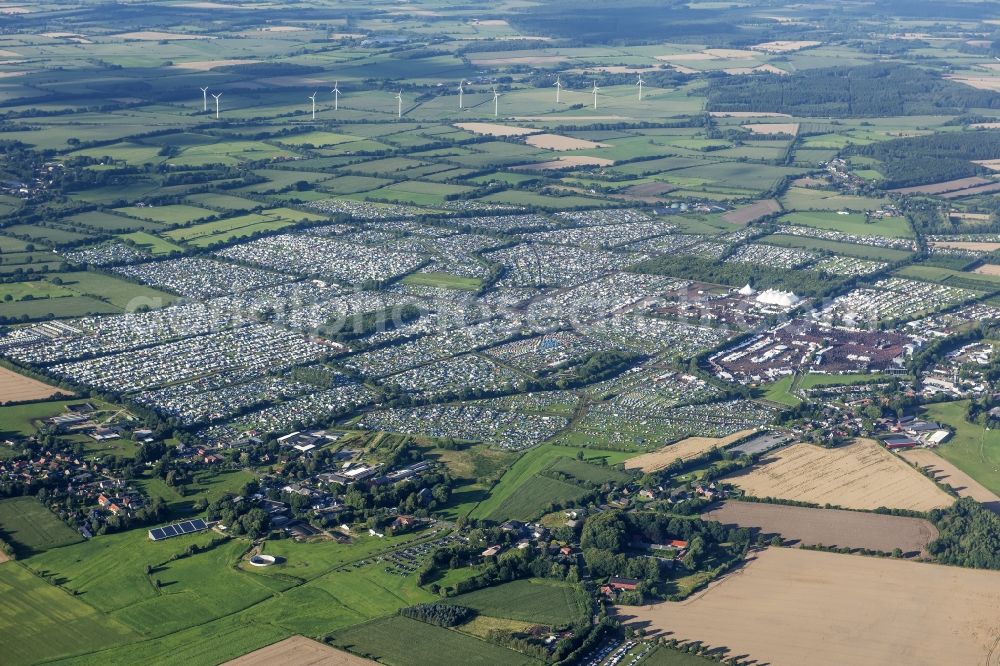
x: 440, y: 614
x: 968, y: 535
x: 241, y: 517
x: 877, y: 90
x: 932, y: 158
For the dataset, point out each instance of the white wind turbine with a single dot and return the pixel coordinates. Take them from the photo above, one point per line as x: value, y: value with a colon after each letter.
x: 639, y: 83
x: 496, y: 102
x: 399, y: 108
x: 461, y: 92
x: 595, y: 93
x: 558, y: 89
x: 312, y: 98
x: 217, y: 104
x: 336, y: 95
x: 204, y: 99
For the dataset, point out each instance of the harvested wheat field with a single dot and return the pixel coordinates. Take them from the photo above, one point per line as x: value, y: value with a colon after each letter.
x: 559, y: 142
x: 495, y: 129
x: 979, y: 82
x: 767, y: 129
x: 945, y: 472
x: 206, y: 65
x: 988, y: 269
x: 685, y: 449
x: 944, y: 186
x: 966, y: 245
x: 568, y: 162
x: 789, y: 607
x: 829, y: 527
x: 299, y: 651
x: 783, y: 46
x: 752, y: 212
x: 860, y: 475
x: 18, y: 388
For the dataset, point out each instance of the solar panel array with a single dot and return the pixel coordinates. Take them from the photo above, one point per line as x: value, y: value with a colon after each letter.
x: 177, y: 529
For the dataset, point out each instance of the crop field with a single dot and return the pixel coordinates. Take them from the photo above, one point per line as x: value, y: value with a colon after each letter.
x: 15, y: 387
x: 860, y: 475
x: 828, y: 527
x: 30, y: 527
x: 789, y: 606
x: 535, y: 600
x: 299, y: 651
x: 685, y: 449
x: 399, y: 641
x: 48, y: 622
x: 534, y: 497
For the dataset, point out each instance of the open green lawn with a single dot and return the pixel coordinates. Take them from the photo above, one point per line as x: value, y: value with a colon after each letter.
x: 443, y: 281
x: 852, y: 223
x: 400, y: 641
x: 780, y: 392
x: 28, y: 526
x: 40, y: 622
x: 126, y: 295
x: 530, y: 464
x: 530, y: 600
x: 664, y: 656
x: 172, y: 214
x: 973, y: 449
x: 152, y: 244
x: 837, y: 247
x: 20, y: 419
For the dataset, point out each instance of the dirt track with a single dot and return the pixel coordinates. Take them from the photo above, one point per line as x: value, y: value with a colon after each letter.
x: 790, y: 607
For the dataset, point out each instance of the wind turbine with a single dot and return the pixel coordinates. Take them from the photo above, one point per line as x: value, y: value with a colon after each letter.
x: 216, y: 104
x: 595, y: 93
x: 204, y: 99
x: 399, y: 100
x: 336, y: 95
x: 639, y: 83
x: 496, y: 102
x: 558, y: 89
x: 461, y: 91
x: 313, y: 99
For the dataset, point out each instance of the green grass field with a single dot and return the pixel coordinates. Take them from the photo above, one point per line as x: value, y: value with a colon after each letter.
x: 443, y: 281
x: 852, y: 223
x: 400, y: 641
x: 28, y: 526
x: 846, y: 249
x: 530, y: 600
x: 664, y: 656
x: 973, y: 449
x: 530, y: 464
x: 20, y: 419
x: 780, y: 392
x: 40, y: 622
x: 152, y: 244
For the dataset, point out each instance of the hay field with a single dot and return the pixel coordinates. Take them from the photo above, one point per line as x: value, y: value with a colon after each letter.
x: 767, y: 129
x: 685, y: 449
x: 567, y: 162
x: 299, y: 651
x: 966, y: 245
x: 559, y: 142
x: 496, y: 129
x: 988, y: 269
x: 788, y: 607
x: 829, y: 527
x: 860, y: 475
x: 945, y: 472
x: 18, y: 388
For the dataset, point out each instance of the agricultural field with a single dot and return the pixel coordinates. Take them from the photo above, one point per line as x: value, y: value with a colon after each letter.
x: 973, y: 449
x: 30, y: 527
x: 399, y: 641
x: 946, y: 472
x: 299, y: 651
x: 788, y: 606
x: 685, y: 449
x: 15, y: 387
x: 860, y: 475
x: 806, y: 526
x: 532, y: 600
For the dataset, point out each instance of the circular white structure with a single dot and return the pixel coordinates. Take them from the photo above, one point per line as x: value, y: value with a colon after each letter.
x: 262, y: 560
